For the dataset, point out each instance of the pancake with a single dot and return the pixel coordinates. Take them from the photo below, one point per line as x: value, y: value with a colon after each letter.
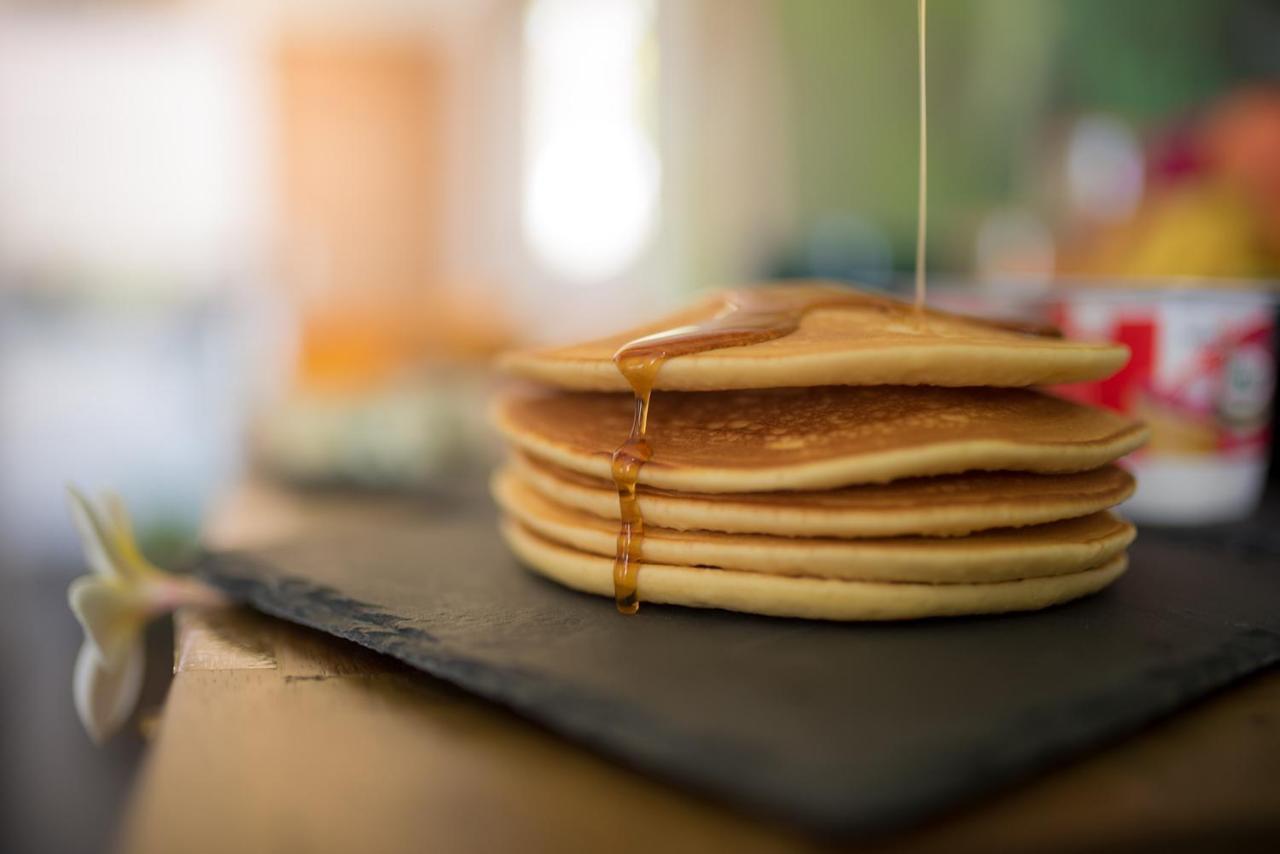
x: 813, y: 598
x: 819, y: 438
x: 950, y: 505
x: 873, y: 340
x: 1056, y: 548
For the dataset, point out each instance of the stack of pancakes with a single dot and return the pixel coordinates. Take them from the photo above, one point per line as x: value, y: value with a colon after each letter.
x: 875, y: 463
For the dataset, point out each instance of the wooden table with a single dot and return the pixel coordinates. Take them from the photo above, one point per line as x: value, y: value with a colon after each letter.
x: 276, y: 738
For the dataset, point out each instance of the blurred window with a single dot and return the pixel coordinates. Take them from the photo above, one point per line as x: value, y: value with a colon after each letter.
x: 591, y: 173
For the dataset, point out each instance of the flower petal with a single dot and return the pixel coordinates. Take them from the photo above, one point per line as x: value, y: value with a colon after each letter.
x: 105, y: 697
x: 111, y: 612
x: 113, y: 606
x: 94, y: 536
x: 123, y: 544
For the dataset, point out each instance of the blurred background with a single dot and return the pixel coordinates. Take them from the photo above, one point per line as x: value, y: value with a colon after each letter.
x: 281, y: 240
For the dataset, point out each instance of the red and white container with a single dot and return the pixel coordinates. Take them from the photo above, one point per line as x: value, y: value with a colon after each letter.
x: 1201, y: 374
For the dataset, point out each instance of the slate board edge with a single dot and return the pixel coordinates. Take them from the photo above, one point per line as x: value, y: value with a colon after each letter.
x: 327, y: 610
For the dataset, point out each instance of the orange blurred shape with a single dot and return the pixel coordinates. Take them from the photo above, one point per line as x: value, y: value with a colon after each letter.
x: 362, y: 153
x: 361, y: 343
x: 1242, y: 143
x: 361, y: 163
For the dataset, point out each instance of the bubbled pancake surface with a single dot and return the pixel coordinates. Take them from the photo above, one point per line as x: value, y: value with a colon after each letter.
x: 881, y: 343
x: 813, y: 598
x: 949, y: 505
x: 1005, y: 554
x: 819, y: 438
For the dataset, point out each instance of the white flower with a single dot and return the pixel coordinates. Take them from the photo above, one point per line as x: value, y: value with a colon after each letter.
x: 114, y: 605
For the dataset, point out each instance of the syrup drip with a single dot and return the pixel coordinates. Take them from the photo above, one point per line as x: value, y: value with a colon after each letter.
x: 641, y: 370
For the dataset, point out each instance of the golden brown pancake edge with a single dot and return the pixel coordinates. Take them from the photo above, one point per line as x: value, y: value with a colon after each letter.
x: 1055, y: 548
x: 820, y: 438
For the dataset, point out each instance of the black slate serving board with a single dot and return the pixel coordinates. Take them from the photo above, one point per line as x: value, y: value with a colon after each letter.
x: 842, y: 729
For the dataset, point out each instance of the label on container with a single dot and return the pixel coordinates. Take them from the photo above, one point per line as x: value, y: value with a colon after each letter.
x: 1201, y: 373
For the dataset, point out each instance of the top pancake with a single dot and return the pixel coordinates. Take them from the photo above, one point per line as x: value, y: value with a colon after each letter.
x: 820, y: 438
x: 871, y: 341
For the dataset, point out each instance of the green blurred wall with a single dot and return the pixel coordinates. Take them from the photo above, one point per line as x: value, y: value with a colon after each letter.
x: 1000, y: 71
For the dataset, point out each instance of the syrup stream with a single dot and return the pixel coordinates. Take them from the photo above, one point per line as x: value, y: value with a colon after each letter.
x: 922, y: 202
